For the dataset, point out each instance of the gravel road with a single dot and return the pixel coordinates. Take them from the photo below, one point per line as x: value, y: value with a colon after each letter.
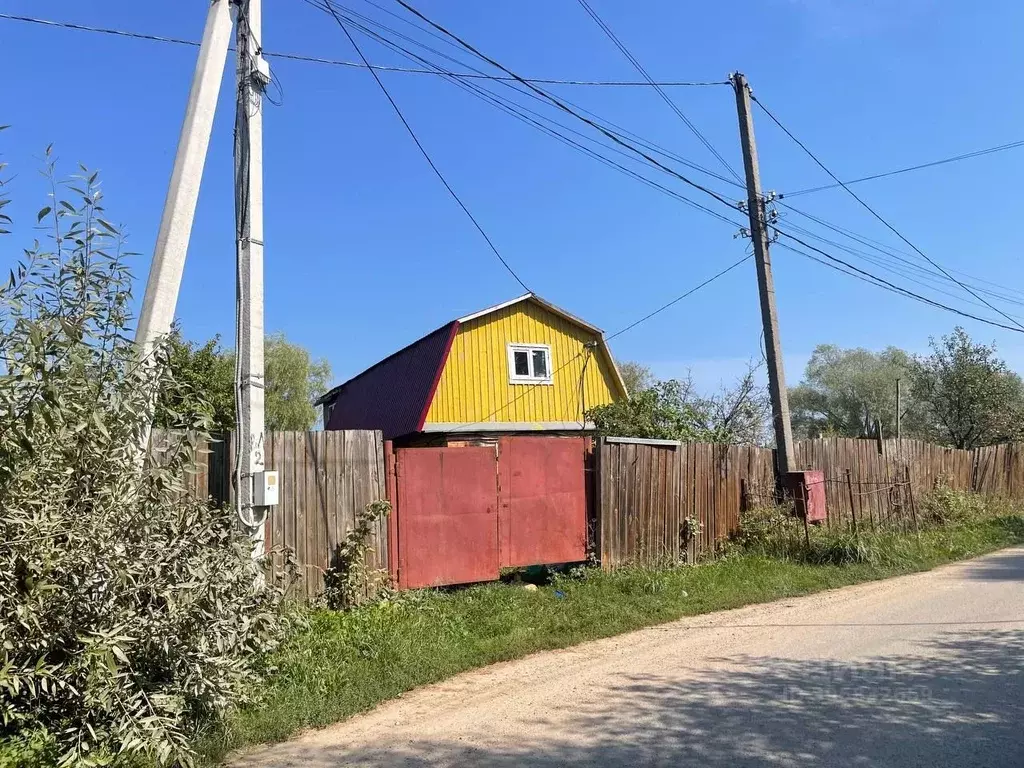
x: 921, y: 670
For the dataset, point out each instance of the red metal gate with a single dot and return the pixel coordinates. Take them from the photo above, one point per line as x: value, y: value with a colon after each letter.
x: 543, y: 511
x: 461, y: 514
x: 446, y: 519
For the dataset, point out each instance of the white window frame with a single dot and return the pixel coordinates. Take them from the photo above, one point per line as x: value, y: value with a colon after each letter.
x: 529, y: 349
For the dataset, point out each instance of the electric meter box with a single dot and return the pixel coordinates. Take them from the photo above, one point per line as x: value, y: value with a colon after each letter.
x: 266, y: 488
x: 808, y: 491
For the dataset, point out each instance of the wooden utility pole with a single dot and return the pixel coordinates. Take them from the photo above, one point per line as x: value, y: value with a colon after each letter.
x: 253, y: 75
x: 765, y: 284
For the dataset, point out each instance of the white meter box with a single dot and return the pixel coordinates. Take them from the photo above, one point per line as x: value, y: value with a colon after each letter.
x: 265, y: 489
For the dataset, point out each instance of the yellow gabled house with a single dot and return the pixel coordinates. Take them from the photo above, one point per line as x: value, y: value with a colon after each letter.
x: 521, y: 366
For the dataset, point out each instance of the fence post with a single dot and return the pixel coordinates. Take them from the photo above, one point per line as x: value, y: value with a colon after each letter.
x: 807, y: 530
x: 849, y: 488
x: 913, y: 506
x: 391, y: 486
x: 597, y: 484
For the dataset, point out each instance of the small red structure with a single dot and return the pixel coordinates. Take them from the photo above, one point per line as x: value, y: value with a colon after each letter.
x: 808, y: 489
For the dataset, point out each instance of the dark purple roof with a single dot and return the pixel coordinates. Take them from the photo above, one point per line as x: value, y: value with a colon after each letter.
x: 393, y: 395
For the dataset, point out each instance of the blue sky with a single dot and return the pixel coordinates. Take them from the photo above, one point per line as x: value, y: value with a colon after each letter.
x: 366, y: 252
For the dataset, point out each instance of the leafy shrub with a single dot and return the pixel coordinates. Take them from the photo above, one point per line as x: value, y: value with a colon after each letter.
x: 775, y: 532
x: 945, y: 506
x: 130, y: 612
x: 350, y: 582
x: 767, y: 530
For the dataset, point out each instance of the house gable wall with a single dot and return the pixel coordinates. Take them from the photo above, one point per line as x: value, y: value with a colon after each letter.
x: 474, y: 384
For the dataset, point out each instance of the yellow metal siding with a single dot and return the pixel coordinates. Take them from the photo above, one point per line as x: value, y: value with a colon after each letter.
x: 475, y: 386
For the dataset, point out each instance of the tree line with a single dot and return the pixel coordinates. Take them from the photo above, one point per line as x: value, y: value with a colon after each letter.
x: 205, y: 384
x: 960, y: 394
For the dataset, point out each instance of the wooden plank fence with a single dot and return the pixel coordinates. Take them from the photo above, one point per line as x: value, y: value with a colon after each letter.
x: 650, y: 494
x: 999, y: 470
x: 327, y: 478
x: 655, y: 501
x: 648, y: 490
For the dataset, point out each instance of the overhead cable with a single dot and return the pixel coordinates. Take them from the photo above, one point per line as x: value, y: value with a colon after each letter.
x: 360, y: 20
x: 878, y: 216
x: 881, y: 282
x: 530, y: 387
x: 908, y: 169
x: 565, y: 108
x: 905, y: 257
x: 422, y: 149
x: 665, y: 97
x: 523, y: 113
x: 354, y: 64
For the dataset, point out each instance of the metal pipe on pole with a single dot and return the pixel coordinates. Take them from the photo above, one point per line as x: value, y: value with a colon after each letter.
x: 252, y: 75
x: 165, y: 272
x: 765, y: 283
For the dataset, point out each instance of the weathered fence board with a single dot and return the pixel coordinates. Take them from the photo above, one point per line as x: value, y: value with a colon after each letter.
x: 327, y: 478
x: 643, y: 506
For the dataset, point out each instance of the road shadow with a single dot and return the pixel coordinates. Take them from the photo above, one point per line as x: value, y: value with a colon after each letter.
x: 1002, y: 566
x: 959, y: 701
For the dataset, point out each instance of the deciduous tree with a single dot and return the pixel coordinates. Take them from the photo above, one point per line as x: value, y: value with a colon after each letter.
x: 636, y: 376
x: 971, y: 396
x: 293, y: 382
x: 845, y: 392
x: 675, y: 410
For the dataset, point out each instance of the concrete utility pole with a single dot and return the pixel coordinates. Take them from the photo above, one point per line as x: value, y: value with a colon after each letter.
x: 765, y: 284
x: 253, y: 76
x: 180, y: 204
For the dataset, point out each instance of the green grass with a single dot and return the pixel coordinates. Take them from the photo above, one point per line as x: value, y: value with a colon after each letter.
x: 345, y: 663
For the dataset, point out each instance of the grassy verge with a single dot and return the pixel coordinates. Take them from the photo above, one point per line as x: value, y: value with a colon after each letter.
x: 346, y: 663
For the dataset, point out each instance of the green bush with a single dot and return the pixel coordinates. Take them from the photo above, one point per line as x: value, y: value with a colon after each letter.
x: 775, y: 532
x: 945, y: 506
x: 130, y: 613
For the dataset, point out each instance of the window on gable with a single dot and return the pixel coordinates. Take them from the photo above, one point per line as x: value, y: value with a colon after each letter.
x: 529, y: 364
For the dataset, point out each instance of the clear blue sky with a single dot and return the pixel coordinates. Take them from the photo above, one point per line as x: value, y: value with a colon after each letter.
x: 366, y: 252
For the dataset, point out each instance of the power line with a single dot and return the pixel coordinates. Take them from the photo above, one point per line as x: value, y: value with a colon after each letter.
x: 517, y: 110
x: 913, y: 273
x: 420, y: 146
x: 877, y: 215
x: 473, y: 75
x: 437, y: 36
x: 665, y: 97
x: 679, y: 298
x: 883, y: 283
x: 530, y: 387
x: 353, y: 64
x: 509, y: 82
x: 908, y: 169
x: 854, y: 270
x: 892, y: 255
x: 898, y: 255
x: 565, y: 108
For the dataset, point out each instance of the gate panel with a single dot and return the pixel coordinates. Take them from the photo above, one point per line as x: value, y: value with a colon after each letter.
x: 544, y: 504
x: 446, y: 516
